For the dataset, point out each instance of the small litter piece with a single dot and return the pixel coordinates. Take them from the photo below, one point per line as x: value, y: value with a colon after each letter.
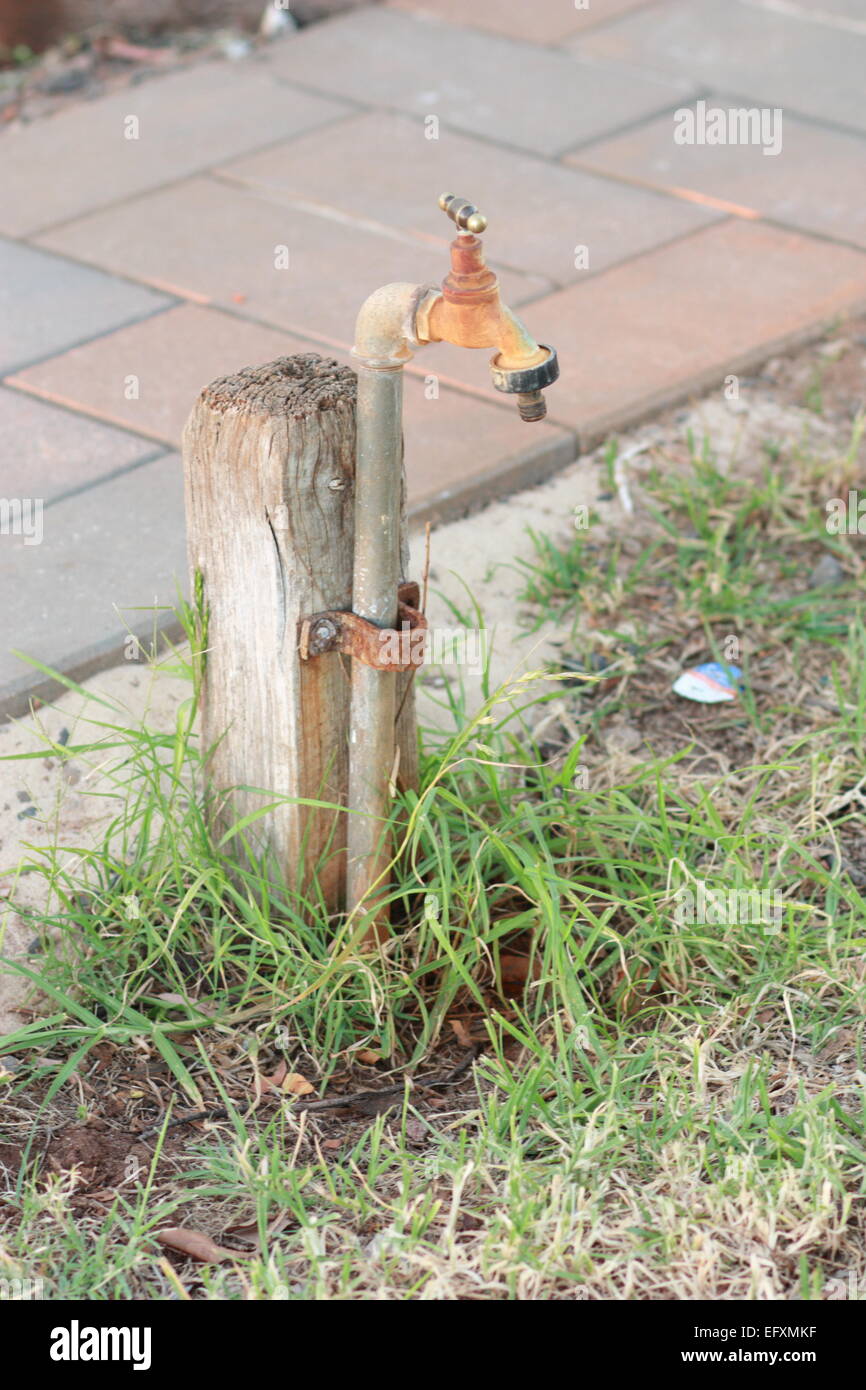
x: 709, y: 684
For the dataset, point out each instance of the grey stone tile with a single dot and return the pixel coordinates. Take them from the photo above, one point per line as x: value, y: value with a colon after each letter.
x: 774, y: 58
x: 46, y: 451
x: 81, y: 158
x: 48, y: 303
x: 107, y: 559
x: 518, y: 94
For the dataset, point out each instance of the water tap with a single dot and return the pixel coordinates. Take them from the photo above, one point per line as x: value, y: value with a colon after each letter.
x: 468, y: 311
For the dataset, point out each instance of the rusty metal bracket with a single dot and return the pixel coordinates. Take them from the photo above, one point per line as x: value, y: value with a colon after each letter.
x: 385, y: 649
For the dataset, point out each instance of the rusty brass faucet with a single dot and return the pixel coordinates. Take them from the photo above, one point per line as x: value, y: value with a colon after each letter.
x: 467, y: 311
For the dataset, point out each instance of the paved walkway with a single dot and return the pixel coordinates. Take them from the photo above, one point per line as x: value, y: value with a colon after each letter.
x: 134, y: 270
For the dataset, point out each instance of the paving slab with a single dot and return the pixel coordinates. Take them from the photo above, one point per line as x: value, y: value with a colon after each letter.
x: 462, y: 452
x: 776, y: 57
x: 81, y: 158
x: 48, y: 303
x: 675, y: 321
x: 171, y: 357
x: 48, y: 452
x: 293, y: 269
x: 517, y: 94
x: 544, y: 21
x: 459, y: 450
x: 106, y: 564
x: 397, y: 174
x: 815, y: 182
x: 840, y: 12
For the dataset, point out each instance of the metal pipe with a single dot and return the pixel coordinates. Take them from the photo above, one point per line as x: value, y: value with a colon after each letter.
x: 377, y: 556
x: 383, y: 334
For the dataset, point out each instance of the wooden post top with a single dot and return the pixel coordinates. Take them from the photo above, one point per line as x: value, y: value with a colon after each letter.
x: 300, y: 386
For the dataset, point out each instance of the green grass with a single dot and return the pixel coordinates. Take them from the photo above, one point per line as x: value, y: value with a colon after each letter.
x: 660, y: 1109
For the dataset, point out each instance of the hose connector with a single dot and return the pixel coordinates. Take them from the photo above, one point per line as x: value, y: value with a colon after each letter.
x: 527, y: 383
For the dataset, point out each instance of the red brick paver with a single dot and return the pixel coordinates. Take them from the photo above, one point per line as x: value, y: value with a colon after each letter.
x: 808, y: 184
x: 718, y: 301
x: 305, y: 273
x: 539, y: 212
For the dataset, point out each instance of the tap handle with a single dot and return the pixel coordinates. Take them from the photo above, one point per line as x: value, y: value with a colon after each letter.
x: 463, y: 213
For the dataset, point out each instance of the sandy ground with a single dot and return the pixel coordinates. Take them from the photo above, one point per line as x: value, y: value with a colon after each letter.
x: 47, y: 802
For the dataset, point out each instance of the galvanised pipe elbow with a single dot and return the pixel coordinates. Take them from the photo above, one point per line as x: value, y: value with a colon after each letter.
x: 385, y: 330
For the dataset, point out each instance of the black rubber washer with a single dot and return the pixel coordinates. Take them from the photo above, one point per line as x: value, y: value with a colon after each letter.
x: 526, y: 379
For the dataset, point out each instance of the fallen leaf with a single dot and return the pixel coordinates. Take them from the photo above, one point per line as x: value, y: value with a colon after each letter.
x: 273, y: 1082
x: 124, y: 52
x: 461, y: 1032
x: 369, y: 1058
x: 196, y: 1244
x: 296, y: 1085
x: 514, y: 969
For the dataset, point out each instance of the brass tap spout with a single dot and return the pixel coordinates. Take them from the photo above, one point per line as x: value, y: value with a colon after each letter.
x: 468, y: 311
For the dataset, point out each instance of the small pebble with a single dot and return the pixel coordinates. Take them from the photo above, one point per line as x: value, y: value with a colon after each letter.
x: 622, y: 738
x: 234, y: 48
x: 827, y: 571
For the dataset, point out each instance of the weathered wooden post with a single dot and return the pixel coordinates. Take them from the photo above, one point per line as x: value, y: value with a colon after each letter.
x: 269, y: 463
